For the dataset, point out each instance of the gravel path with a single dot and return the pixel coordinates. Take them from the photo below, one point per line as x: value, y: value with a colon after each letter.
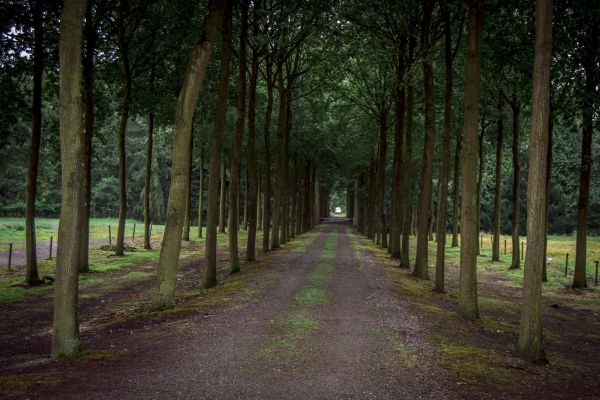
x: 327, y: 326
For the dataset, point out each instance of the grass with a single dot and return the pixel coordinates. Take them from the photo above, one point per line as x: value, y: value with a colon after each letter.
x: 312, y: 296
x: 12, y: 229
x: 321, y: 274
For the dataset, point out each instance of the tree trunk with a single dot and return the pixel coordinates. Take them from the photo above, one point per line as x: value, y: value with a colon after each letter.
x: 31, y: 268
x: 253, y: 185
x: 88, y: 92
x: 210, y: 271
x: 65, y: 327
x: 498, y: 189
x: 148, y: 175
x: 236, y: 153
x: 407, y: 177
x: 267, y: 144
x: 222, y: 191
x: 184, y: 114
x: 467, y: 295
x: 530, y: 345
x: 580, y: 277
x: 371, y: 203
x: 187, y: 218
x: 516, y: 220
x: 548, y: 177
x: 278, y: 192
x: 422, y: 258
x: 381, y: 175
x: 445, y: 170
x: 456, y: 191
x: 480, y: 179
x: 122, y: 156
x: 396, y: 220
x: 201, y: 189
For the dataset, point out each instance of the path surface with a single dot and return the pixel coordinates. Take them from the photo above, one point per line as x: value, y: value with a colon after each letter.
x: 327, y: 326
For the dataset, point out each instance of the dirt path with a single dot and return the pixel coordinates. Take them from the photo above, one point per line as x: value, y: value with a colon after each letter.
x: 325, y: 325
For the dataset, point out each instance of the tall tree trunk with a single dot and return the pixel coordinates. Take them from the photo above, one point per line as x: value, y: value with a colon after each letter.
x: 201, y: 188
x: 445, y: 170
x: 147, y: 183
x: 184, y: 114
x: 278, y: 187
x: 31, y: 268
x: 381, y: 175
x: 267, y: 144
x: 548, y: 177
x: 530, y: 345
x: 148, y: 175
x: 119, y: 250
x: 516, y: 219
x: 396, y: 220
x: 210, y: 271
x: 236, y: 153
x: 253, y: 184
x: 480, y: 178
x: 422, y: 258
x: 407, y: 177
x: 498, y: 189
x: 222, y: 192
x: 456, y: 191
x: 371, y: 202
x: 65, y: 326
x: 467, y: 295
x: 88, y: 93
x: 187, y: 218
x: 580, y: 277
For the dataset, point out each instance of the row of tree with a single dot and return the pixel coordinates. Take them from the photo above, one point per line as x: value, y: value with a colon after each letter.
x: 321, y: 92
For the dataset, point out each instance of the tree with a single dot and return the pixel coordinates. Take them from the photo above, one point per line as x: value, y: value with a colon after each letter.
x: 498, y: 186
x: 31, y: 269
x: 422, y: 257
x: 65, y: 326
x: 530, y: 345
x: 186, y: 105
x: 210, y: 270
x: 236, y: 153
x: 467, y: 296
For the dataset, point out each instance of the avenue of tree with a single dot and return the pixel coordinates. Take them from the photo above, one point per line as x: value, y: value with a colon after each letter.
x: 401, y: 111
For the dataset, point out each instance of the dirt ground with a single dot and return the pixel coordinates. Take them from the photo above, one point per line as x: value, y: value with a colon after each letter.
x: 329, y: 316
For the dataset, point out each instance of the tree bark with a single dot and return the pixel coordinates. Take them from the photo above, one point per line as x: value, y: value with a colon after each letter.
x: 445, y: 170
x: 65, y: 327
x: 236, y: 153
x: 396, y: 220
x: 407, y: 177
x: 548, y: 177
x: 467, y: 296
x: 253, y: 185
x: 267, y: 143
x: 31, y: 266
x: 422, y: 258
x: 187, y: 218
x: 88, y: 92
x: 278, y: 187
x: 119, y: 250
x: 381, y: 174
x: 498, y: 188
x: 530, y: 345
x: 148, y: 175
x: 456, y: 192
x: 184, y: 114
x: 222, y: 192
x: 201, y: 189
x: 580, y: 277
x: 516, y: 220
x: 480, y: 179
x: 210, y: 272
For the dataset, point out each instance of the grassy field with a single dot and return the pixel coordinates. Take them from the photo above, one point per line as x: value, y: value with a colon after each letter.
x: 12, y: 230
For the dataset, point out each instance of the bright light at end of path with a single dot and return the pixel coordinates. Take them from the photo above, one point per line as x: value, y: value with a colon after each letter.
x: 338, y: 210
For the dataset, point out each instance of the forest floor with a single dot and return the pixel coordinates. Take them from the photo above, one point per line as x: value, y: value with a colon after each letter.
x: 328, y: 316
